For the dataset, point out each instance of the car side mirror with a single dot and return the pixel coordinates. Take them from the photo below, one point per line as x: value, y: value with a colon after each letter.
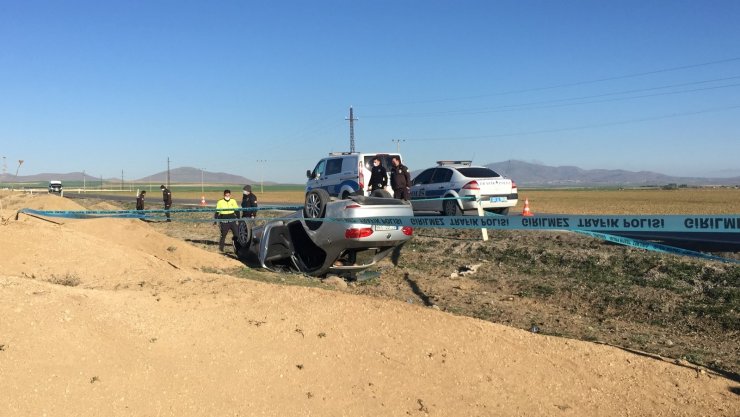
x: 308, y: 174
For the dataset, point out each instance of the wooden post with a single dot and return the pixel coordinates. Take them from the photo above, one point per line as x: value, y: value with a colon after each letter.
x: 483, y: 231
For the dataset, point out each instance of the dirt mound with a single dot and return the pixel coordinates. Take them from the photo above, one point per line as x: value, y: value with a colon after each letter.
x: 110, y: 317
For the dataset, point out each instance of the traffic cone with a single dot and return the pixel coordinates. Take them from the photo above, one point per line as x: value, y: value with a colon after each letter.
x: 526, y: 212
x: 202, y: 200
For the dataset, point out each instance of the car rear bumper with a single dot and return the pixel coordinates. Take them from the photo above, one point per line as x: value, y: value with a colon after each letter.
x: 492, y: 201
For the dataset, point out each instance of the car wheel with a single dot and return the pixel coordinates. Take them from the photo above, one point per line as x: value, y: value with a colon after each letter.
x: 449, y: 208
x: 345, y: 195
x: 315, y: 207
x: 243, y: 238
x: 381, y: 193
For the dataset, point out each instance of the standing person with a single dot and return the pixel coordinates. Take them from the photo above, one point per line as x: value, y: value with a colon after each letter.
x: 249, y: 200
x: 400, y: 179
x: 167, y: 198
x: 378, y: 176
x: 140, y: 200
x: 225, y: 209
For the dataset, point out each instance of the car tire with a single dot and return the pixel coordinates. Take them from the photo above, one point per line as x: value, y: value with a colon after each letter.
x: 315, y: 207
x: 243, y: 239
x: 344, y: 196
x: 381, y: 193
x: 449, y: 208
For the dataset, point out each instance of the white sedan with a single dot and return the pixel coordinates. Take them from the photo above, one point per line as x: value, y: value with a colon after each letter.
x: 453, y: 187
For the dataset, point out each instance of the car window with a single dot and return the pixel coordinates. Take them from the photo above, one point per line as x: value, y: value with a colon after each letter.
x: 441, y: 175
x: 319, y: 170
x: 333, y: 166
x: 424, y: 177
x: 479, y: 172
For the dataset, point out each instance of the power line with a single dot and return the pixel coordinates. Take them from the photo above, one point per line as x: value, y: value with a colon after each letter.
x: 565, y: 129
x: 542, y: 104
x: 572, y: 84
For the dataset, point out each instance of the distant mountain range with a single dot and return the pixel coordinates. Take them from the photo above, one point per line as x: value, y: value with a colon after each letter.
x: 177, y: 175
x: 524, y: 173
x: 529, y: 174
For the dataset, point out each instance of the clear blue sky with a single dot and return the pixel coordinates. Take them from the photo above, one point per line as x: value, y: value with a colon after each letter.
x: 107, y: 86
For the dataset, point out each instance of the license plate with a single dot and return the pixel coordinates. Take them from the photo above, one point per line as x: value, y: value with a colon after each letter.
x: 382, y: 227
x: 498, y: 199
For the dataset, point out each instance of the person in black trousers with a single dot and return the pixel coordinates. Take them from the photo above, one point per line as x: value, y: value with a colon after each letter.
x: 400, y: 179
x: 140, y: 201
x: 167, y: 199
x: 378, y: 176
x: 249, y: 200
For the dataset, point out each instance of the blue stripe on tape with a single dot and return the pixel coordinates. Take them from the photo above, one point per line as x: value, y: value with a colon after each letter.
x: 593, y: 223
x: 669, y: 223
x: 655, y: 247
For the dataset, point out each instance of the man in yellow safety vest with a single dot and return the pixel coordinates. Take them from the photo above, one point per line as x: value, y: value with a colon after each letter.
x: 225, y: 209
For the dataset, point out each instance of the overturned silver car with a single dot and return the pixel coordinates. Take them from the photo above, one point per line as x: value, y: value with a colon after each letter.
x: 312, y: 241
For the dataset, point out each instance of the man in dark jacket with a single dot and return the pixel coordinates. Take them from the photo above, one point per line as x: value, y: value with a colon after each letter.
x: 249, y: 200
x: 167, y: 198
x: 140, y: 201
x: 378, y: 176
x: 400, y: 179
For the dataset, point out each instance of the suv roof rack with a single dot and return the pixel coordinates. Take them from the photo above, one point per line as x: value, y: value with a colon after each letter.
x: 443, y: 163
x: 342, y: 153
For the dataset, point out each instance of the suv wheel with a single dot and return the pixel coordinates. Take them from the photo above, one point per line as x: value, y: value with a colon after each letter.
x: 449, y: 208
x: 315, y: 207
x: 243, y: 239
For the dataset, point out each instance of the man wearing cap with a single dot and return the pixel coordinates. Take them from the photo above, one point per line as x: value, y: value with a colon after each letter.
x: 249, y: 200
x: 167, y: 198
x: 225, y: 209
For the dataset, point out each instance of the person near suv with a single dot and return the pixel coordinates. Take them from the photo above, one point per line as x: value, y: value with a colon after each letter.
x: 378, y: 176
x: 249, y: 200
x: 400, y: 179
x: 226, y: 209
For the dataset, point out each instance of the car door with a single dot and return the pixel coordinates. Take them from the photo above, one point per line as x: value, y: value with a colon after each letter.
x: 438, y: 187
x: 419, y: 189
x: 316, y: 180
x: 333, y: 176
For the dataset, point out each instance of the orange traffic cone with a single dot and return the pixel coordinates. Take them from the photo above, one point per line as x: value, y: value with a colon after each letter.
x: 526, y: 212
x: 203, y: 200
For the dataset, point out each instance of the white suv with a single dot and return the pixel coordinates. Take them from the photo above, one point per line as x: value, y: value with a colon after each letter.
x: 452, y: 187
x: 345, y: 173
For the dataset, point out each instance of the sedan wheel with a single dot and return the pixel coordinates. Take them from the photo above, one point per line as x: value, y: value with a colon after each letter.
x: 449, y: 208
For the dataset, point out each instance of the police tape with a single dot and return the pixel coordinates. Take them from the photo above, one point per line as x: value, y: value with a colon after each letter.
x: 655, y: 247
x: 597, y: 226
x: 595, y: 223
x: 143, y: 213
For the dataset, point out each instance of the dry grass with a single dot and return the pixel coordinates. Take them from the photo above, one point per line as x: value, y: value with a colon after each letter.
x: 653, y: 201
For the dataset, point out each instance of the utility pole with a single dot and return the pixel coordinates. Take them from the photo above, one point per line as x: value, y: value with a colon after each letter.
x: 121, y: 180
x: 262, y: 163
x: 351, y: 130
x: 20, y: 162
x: 398, y: 144
x: 168, y: 172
